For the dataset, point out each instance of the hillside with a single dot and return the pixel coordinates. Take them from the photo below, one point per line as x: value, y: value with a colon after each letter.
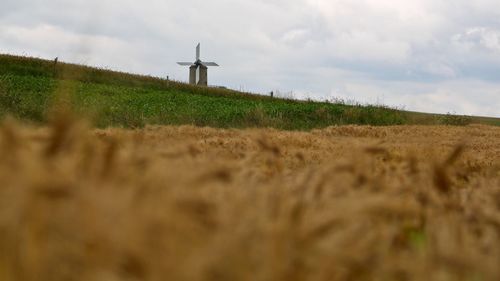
x: 30, y: 86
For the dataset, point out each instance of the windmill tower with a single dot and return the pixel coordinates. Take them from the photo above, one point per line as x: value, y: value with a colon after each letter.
x: 198, y: 70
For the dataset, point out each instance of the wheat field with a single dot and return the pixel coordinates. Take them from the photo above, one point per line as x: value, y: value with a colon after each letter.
x: 190, y: 203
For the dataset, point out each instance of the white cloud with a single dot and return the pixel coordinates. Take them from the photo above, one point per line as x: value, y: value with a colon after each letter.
x: 440, y: 69
x: 479, y: 39
x: 50, y: 41
x: 365, y: 46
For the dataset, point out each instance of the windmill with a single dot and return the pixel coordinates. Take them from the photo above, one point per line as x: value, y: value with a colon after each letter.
x: 198, y: 70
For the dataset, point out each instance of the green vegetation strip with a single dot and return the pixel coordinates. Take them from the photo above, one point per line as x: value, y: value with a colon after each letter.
x: 28, y: 88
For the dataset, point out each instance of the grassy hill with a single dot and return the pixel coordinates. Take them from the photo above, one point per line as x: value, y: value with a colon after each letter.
x: 29, y: 88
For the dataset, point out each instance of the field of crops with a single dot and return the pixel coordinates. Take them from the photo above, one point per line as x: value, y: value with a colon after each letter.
x: 191, y: 203
x: 28, y: 88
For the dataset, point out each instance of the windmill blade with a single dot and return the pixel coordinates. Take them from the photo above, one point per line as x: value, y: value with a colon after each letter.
x: 198, y: 52
x: 185, y: 63
x: 209, y: 64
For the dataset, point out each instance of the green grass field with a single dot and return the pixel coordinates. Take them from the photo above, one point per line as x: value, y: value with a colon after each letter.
x: 30, y: 87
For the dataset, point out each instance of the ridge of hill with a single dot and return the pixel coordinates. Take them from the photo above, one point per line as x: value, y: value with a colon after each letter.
x: 29, y: 87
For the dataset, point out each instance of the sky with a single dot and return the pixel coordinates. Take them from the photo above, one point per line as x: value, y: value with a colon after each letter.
x: 425, y: 55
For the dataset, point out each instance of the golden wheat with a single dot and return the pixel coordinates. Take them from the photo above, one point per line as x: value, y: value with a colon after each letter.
x: 187, y: 203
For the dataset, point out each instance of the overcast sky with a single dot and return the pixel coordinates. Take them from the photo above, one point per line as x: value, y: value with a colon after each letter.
x: 426, y: 55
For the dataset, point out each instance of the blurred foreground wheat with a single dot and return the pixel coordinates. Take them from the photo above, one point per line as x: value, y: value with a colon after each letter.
x: 187, y: 203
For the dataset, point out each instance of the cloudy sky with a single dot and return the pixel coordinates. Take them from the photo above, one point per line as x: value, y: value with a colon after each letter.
x: 426, y: 55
